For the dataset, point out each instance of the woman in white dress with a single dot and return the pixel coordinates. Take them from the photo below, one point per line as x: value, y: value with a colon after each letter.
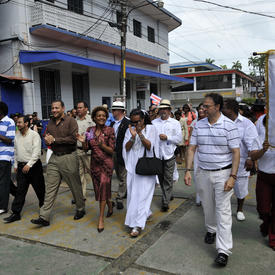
x: 140, y: 189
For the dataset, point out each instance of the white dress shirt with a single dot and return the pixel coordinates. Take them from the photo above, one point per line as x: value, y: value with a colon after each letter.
x: 27, y: 148
x: 172, y: 129
x: 83, y: 125
x: 116, y: 126
x: 248, y: 133
x: 215, y: 142
x: 266, y: 163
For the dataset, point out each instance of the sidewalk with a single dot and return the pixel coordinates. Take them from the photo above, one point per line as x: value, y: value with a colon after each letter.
x: 171, y: 244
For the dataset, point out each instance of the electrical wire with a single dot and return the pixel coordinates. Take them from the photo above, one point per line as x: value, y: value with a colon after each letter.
x: 11, y: 66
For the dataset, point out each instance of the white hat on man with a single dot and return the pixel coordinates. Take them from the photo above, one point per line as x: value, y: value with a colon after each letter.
x: 118, y: 105
x: 165, y: 103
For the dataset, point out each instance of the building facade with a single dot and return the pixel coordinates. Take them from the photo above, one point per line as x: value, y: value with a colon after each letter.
x: 71, y: 51
x: 208, y: 78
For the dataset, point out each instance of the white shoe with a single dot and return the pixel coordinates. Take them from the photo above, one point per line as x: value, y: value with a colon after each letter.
x: 240, y: 216
x: 3, y: 211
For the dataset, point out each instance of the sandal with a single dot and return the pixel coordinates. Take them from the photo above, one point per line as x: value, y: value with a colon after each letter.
x: 135, y: 232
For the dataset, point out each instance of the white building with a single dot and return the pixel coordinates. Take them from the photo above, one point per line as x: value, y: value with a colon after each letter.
x: 70, y: 51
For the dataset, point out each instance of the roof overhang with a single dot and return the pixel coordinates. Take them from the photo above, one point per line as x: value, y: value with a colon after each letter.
x: 216, y: 72
x: 160, y: 14
x: 13, y: 79
x: 29, y: 57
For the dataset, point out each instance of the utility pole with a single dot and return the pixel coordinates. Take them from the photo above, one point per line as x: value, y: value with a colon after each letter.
x: 123, y: 32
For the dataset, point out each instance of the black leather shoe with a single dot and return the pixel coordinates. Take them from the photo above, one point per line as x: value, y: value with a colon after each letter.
x: 40, y: 221
x: 79, y: 214
x: 209, y: 238
x: 164, y: 208
x: 119, y: 205
x: 12, y: 218
x: 73, y: 202
x: 221, y: 259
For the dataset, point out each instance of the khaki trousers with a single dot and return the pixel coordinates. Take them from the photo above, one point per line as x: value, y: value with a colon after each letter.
x: 64, y: 167
x: 121, y: 174
x: 216, y: 206
x: 84, y: 169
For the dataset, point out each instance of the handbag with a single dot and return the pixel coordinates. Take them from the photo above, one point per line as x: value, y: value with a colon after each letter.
x: 149, y: 166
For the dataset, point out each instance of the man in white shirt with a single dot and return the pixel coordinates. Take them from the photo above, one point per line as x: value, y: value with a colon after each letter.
x: 84, y: 121
x: 248, y: 133
x: 265, y: 186
x: 216, y: 140
x: 120, y: 126
x: 27, y: 163
x: 170, y: 135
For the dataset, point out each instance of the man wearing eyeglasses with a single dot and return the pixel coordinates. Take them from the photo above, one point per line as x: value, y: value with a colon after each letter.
x: 217, y: 142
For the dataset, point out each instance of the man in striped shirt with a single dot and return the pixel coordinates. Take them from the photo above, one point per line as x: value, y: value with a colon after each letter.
x: 7, y: 133
x: 217, y: 142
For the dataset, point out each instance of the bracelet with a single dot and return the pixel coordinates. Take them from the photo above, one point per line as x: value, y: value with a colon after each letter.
x: 233, y: 176
x: 187, y: 170
x: 141, y: 136
x: 132, y: 139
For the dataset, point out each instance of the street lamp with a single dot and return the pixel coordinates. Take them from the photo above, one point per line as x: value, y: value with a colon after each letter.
x: 123, y: 28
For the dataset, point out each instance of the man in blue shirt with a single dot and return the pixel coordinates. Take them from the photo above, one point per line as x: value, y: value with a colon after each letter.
x: 7, y: 133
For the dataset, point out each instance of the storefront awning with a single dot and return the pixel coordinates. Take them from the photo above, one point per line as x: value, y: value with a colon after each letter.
x: 13, y: 79
x: 26, y: 57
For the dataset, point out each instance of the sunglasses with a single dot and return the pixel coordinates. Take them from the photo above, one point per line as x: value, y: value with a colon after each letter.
x: 133, y: 123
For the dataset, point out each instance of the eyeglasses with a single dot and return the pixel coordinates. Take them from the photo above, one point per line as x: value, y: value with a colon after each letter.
x: 207, y: 106
x: 135, y: 122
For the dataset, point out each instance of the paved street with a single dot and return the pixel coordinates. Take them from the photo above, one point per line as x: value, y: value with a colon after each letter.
x: 172, y: 242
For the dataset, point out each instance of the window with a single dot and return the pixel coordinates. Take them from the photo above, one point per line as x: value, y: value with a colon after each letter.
x: 137, y: 28
x: 151, y: 34
x: 81, y: 88
x: 49, y: 89
x: 75, y: 6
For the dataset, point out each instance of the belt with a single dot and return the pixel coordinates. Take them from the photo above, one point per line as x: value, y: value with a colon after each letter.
x: 62, y: 153
x: 223, y: 168
x: 22, y: 163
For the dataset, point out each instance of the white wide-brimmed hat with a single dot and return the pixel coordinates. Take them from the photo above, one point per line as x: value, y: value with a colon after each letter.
x: 118, y: 105
x: 165, y: 103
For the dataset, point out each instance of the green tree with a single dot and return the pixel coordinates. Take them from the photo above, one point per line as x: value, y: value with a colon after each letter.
x: 237, y: 65
x: 209, y: 60
x: 223, y: 67
x: 257, y: 63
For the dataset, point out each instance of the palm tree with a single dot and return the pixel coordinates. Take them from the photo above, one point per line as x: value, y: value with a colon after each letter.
x: 258, y: 64
x: 237, y: 65
x: 224, y: 67
x: 209, y: 60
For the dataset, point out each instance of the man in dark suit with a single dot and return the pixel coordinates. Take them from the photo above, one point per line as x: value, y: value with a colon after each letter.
x: 120, y: 126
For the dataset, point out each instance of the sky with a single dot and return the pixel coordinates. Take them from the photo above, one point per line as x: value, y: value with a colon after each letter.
x: 225, y: 35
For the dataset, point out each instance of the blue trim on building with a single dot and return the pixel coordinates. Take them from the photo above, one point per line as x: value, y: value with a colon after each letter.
x: 32, y: 29
x: 195, y: 65
x: 27, y: 57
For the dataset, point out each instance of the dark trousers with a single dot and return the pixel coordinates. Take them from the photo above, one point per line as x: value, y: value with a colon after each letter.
x: 265, y: 194
x: 166, y: 180
x: 13, y: 188
x: 35, y: 178
x: 5, y: 178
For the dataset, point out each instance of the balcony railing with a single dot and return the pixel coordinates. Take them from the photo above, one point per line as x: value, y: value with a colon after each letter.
x: 47, y: 14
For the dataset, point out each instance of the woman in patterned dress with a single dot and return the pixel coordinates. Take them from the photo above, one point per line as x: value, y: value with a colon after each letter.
x: 100, y: 139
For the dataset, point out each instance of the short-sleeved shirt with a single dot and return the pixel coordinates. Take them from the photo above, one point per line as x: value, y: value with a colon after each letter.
x: 83, y: 125
x: 215, y: 142
x: 266, y: 163
x: 7, y: 129
x: 64, y: 133
x: 248, y: 133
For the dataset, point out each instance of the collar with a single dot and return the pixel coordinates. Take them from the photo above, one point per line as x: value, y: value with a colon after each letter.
x: 84, y: 118
x: 117, y: 121
x: 239, y: 117
x: 219, y: 121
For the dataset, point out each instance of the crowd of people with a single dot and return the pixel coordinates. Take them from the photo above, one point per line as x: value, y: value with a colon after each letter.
x: 215, y: 140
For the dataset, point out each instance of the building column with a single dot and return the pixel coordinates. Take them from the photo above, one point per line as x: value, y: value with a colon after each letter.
x: 233, y: 81
x: 195, y: 83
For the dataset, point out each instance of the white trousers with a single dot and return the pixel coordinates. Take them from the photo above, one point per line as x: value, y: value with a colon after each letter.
x: 241, y: 187
x: 140, y: 191
x: 216, y: 206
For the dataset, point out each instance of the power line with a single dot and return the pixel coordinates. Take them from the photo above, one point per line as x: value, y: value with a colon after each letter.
x: 11, y: 66
x: 232, y: 8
